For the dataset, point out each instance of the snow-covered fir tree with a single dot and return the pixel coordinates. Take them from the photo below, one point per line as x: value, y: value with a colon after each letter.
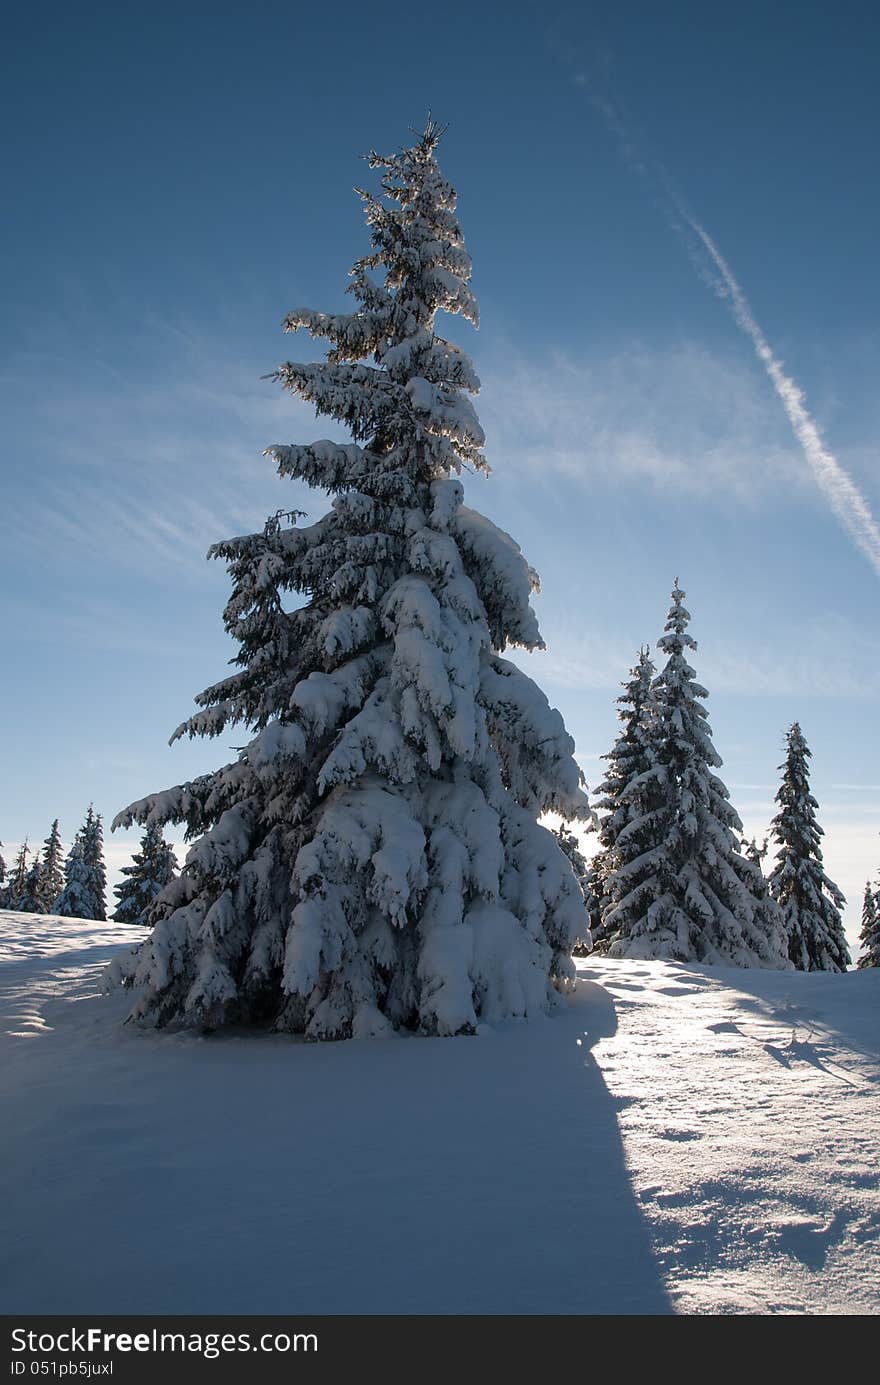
x: 372, y: 859
x: 2, y: 870
x: 870, y: 934
x: 754, y: 853
x: 83, y: 895
x: 93, y: 856
x: 767, y: 915
x: 580, y: 866
x: 32, y: 900
x: 52, y: 869
x: 689, y: 894
x: 810, y: 902
x: 76, y: 900
x: 631, y: 756
x: 31, y: 889
x: 151, y: 869
x: 15, y: 892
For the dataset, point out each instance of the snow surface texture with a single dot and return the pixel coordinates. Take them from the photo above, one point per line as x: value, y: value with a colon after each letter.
x: 373, y: 859
x: 711, y: 1135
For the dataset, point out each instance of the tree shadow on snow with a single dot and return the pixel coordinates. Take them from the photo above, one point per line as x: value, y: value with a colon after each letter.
x: 623, y: 1274
x: 412, y: 1175
x: 88, y: 954
x: 813, y: 1008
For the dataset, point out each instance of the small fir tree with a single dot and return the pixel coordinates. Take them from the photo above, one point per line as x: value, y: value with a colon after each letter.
x: 631, y: 757
x: 151, y: 869
x: 82, y: 895
x: 15, y: 893
x: 373, y: 859
x: 32, y: 898
x: 870, y: 934
x: 76, y: 900
x: 52, y: 874
x: 754, y: 853
x: 767, y: 915
x: 93, y: 856
x: 810, y: 902
x: 688, y: 894
x: 571, y: 846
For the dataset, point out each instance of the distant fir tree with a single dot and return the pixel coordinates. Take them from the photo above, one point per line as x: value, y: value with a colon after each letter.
x: 571, y: 846
x: 631, y: 756
x: 373, y: 859
x: 31, y: 901
x: 689, y: 894
x: 83, y: 893
x: 870, y: 934
x: 76, y: 900
x: 767, y: 916
x: 15, y: 893
x: 2, y: 871
x: 151, y: 869
x: 52, y: 870
x: 93, y: 856
x: 754, y: 853
x: 809, y: 901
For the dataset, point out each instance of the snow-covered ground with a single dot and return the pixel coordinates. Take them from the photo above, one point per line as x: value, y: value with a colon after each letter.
x: 677, y: 1139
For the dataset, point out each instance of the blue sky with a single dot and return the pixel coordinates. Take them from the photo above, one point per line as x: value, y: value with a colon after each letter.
x: 178, y: 179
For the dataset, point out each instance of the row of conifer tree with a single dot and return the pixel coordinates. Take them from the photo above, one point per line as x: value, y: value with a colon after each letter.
x: 664, y: 741
x: 75, y: 886
x: 673, y: 876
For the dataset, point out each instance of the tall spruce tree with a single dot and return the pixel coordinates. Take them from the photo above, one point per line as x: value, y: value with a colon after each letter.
x: 151, y: 869
x: 93, y: 856
x: 689, y: 894
x: 2, y: 869
x: 809, y: 901
x: 631, y: 756
x: 372, y: 859
x: 52, y: 869
x: 870, y: 934
x: 83, y: 892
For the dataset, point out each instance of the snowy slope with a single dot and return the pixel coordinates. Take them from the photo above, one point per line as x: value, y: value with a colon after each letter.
x: 677, y: 1139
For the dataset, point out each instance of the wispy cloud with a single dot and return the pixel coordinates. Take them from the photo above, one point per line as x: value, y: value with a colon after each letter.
x: 156, y: 467
x: 97, y: 625
x: 802, y: 672
x: 842, y: 494
x: 796, y: 665
x: 679, y: 417
x: 586, y: 663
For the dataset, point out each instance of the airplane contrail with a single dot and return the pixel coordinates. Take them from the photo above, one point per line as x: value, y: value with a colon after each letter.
x: 842, y: 493
x: 835, y: 483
